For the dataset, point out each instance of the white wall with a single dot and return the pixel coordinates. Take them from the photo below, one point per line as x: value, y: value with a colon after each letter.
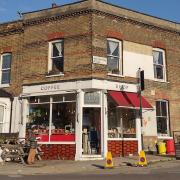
x: 149, y: 123
x: 133, y: 61
x: 16, y: 115
x: 6, y: 121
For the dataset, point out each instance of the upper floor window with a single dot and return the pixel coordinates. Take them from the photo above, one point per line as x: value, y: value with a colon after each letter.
x: 56, y: 56
x: 5, y: 68
x: 162, y: 117
x: 114, y: 56
x: 159, y: 64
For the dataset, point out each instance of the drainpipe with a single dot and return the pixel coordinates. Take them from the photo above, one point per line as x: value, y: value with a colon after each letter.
x: 11, y: 99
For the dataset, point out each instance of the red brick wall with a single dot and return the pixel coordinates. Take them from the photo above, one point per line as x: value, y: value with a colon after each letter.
x: 122, y: 148
x: 58, y: 151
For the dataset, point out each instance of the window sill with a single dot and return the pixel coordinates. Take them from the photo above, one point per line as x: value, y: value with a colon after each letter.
x: 115, y: 75
x: 4, y: 85
x: 55, y: 75
x: 161, y: 81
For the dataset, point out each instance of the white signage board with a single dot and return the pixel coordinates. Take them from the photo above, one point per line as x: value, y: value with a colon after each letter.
x: 99, y: 60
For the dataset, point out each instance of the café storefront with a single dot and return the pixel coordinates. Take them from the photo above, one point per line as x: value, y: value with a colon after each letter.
x: 82, y: 119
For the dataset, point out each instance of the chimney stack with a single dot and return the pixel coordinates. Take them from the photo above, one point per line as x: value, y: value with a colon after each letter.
x: 54, y: 5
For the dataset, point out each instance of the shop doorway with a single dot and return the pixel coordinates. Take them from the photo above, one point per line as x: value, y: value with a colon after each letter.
x: 91, y: 131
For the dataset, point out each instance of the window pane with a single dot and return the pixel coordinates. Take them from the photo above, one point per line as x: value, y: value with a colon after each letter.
x: 38, y: 121
x: 113, y: 63
x: 129, y: 123
x: 92, y: 98
x: 158, y: 111
x: 70, y: 97
x: 43, y: 99
x: 57, y: 49
x: 113, y: 48
x: 163, y: 108
x: 63, y: 122
x: 162, y: 125
x: 159, y: 72
x: 58, y: 98
x: 158, y: 57
x: 5, y: 79
x: 6, y: 62
x: 1, y: 113
x: 57, y: 64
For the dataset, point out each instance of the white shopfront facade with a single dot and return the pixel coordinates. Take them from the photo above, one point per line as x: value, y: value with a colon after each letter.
x: 91, y: 95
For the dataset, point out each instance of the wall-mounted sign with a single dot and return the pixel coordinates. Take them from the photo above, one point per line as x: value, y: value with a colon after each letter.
x: 99, y: 60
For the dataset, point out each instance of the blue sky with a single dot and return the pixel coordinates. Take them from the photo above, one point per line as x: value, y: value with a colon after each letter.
x: 166, y: 9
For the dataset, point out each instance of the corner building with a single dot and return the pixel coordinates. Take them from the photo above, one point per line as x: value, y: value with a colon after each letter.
x: 70, y: 74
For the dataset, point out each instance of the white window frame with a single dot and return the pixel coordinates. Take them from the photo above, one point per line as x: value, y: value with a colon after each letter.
x: 2, y: 122
x: 50, y: 56
x: 1, y: 70
x: 167, y: 117
x: 120, y: 57
x: 164, y: 65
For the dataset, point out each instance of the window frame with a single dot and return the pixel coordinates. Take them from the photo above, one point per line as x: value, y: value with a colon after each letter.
x: 120, y: 73
x: 2, y: 122
x: 1, y: 69
x: 164, y: 79
x: 50, y: 61
x: 161, y: 116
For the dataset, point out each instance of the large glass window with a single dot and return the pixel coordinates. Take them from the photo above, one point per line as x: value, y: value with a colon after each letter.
x: 114, y: 56
x: 5, y: 67
x: 56, y: 64
x: 121, y: 121
x: 162, y: 117
x: 159, y: 64
x: 52, y: 118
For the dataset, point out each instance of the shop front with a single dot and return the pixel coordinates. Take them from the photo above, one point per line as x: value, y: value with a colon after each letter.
x: 82, y: 119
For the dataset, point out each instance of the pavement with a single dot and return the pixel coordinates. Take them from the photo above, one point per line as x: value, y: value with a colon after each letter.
x: 68, y: 166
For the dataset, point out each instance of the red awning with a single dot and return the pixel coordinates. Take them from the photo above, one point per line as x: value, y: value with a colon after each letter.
x: 129, y: 100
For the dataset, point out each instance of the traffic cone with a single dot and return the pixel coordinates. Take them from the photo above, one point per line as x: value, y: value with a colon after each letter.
x: 142, y: 159
x: 109, y: 161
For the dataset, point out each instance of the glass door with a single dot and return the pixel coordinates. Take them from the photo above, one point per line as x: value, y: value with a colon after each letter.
x: 91, y: 131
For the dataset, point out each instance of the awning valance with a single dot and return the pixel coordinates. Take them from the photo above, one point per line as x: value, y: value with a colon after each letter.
x: 129, y: 100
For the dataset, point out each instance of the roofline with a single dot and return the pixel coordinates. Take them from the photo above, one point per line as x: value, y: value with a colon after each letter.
x: 114, y: 5
x: 9, y: 22
x: 58, y: 6
x: 138, y: 12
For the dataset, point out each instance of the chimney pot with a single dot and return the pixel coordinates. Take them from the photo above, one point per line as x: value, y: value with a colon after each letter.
x: 54, y: 5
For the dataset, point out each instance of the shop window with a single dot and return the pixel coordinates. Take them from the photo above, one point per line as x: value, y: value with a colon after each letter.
x: 162, y: 117
x: 1, y: 118
x: 54, y: 120
x: 121, y: 121
x: 56, y: 57
x: 159, y: 64
x: 5, y: 68
x: 114, y: 56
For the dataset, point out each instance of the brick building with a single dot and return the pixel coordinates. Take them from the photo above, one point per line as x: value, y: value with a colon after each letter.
x: 70, y: 74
